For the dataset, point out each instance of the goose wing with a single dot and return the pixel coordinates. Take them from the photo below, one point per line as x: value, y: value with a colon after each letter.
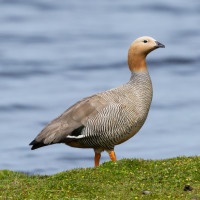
x: 70, y: 123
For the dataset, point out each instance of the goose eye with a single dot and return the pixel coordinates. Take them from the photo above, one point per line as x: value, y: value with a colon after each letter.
x: 145, y: 41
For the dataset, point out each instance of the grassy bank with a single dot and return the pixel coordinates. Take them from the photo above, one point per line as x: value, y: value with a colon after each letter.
x: 124, y: 179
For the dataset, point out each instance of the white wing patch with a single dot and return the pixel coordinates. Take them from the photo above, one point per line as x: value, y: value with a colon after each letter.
x: 76, y: 137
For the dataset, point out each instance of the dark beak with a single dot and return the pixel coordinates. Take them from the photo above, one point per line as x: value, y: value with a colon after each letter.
x: 159, y: 45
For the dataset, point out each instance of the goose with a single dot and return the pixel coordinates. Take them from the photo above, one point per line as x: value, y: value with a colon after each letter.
x: 107, y: 118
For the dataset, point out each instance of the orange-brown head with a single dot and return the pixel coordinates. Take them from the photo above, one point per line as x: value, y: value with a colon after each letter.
x: 138, y: 51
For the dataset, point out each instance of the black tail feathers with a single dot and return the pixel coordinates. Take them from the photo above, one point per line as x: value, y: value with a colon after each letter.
x: 37, y: 145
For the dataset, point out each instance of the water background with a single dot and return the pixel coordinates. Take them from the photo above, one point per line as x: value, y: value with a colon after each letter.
x: 53, y: 53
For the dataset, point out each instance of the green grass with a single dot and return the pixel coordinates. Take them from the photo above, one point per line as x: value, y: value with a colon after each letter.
x: 124, y: 179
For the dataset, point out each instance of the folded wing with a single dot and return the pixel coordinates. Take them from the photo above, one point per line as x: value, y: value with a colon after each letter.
x: 68, y: 125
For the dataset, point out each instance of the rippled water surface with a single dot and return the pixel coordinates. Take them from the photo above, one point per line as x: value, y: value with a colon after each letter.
x: 53, y: 53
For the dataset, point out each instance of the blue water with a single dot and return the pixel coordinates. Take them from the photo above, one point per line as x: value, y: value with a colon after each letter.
x: 53, y: 53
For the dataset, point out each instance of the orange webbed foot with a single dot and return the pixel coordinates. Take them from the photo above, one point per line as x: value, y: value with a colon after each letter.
x: 112, y: 156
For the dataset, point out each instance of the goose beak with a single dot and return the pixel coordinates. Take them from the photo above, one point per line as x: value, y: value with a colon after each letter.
x: 159, y: 45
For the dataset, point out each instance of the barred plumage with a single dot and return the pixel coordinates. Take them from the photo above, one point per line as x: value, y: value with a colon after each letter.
x: 127, y: 109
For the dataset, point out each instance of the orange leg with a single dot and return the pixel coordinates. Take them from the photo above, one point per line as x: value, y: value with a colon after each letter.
x: 112, y: 156
x: 97, y: 159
